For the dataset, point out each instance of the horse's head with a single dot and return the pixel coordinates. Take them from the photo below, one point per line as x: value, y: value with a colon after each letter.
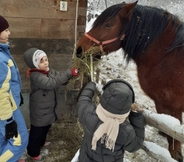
x: 107, y: 32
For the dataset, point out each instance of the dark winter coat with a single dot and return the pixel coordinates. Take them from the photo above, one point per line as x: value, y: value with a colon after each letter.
x: 45, y: 106
x: 130, y: 137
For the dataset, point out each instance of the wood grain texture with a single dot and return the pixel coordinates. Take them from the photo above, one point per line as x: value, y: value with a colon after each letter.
x: 43, y: 19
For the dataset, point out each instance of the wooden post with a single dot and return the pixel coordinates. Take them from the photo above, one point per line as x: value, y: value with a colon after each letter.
x: 177, y: 132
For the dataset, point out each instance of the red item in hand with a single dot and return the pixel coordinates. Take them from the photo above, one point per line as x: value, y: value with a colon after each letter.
x: 75, y: 71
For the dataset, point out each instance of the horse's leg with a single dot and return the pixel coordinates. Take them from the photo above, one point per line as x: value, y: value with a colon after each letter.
x: 175, y: 149
x: 174, y: 145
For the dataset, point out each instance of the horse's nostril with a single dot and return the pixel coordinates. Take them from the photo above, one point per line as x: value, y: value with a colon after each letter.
x: 79, y: 52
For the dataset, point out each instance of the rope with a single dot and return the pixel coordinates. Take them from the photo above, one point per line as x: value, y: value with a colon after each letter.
x: 105, y: 3
x: 76, y: 18
x: 91, y: 69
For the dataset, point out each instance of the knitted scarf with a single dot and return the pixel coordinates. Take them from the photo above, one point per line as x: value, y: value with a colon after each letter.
x: 29, y: 71
x: 109, y: 129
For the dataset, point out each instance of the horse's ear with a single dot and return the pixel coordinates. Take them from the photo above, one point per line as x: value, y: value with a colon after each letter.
x: 127, y: 10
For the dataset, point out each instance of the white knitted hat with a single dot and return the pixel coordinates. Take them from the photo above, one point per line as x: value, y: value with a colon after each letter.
x: 33, y: 56
x: 37, y: 56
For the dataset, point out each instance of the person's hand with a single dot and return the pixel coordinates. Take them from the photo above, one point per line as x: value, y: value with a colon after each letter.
x: 75, y: 72
x: 11, y: 130
x: 136, y: 109
x: 21, y: 100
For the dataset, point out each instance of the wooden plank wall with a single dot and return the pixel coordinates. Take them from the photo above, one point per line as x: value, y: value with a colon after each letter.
x: 42, y: 18
x: 41, y: 24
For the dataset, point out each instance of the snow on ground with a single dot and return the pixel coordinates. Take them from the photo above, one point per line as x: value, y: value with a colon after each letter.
x: 114, y: 66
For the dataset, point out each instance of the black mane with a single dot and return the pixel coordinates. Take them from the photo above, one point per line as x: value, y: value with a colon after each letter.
x: 146, y: 24
x: 108, y: 13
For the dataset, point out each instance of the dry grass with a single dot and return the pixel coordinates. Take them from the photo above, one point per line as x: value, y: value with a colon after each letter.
x: 86, y: 65
x: 66, y: 137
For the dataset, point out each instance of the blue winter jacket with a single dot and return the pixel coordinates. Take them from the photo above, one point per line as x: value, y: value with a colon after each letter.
x: 10, y: 83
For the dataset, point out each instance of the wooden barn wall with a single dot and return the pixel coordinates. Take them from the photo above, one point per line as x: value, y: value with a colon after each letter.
x: 41, y: 24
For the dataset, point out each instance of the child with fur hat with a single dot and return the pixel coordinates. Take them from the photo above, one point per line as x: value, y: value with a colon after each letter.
x: 13, y: 130
x: 107, y: 132
x: 45, y: 106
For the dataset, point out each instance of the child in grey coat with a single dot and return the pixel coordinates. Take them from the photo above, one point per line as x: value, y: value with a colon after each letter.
x: 45, y: 107
x: 107, y: 133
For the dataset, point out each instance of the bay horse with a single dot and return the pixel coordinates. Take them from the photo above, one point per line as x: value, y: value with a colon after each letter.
x: 154, y: 39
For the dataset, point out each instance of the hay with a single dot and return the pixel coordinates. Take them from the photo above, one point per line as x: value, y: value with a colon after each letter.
x: 86, y: 65
x: 66, y: 137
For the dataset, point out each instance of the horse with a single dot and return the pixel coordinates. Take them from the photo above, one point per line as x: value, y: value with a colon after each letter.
x: 154, y: 39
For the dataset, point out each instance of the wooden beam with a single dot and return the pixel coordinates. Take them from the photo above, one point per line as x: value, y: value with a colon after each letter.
x: 177, y: 132
x: 157, y: 152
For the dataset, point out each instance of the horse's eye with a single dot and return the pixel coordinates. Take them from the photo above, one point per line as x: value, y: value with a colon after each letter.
x: 108, y: 25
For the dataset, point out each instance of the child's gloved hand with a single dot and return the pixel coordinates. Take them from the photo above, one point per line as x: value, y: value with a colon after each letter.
x: 136, y: 109
x: 75, y: 72
x: 11, y: 130
x: 21, y: 100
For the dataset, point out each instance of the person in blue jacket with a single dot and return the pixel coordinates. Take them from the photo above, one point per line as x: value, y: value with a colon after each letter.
x: 13, y: 130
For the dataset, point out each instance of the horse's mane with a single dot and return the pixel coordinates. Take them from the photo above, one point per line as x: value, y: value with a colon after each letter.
x: 146, y: 24
x: 106, y: 14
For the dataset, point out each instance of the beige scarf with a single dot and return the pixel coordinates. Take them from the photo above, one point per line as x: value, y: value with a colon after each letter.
x: 109, y: 129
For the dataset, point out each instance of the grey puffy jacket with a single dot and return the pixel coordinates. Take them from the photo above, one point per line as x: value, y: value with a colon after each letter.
x: 45, y: 106
x: 130, y: 137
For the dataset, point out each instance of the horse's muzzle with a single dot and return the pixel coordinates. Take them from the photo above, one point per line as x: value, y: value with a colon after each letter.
x: 79, y: 52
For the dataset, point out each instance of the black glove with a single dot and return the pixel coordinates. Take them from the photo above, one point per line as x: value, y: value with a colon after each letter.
x: 11, y: 130
x: 135, y: 114
x: 21, y: 100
